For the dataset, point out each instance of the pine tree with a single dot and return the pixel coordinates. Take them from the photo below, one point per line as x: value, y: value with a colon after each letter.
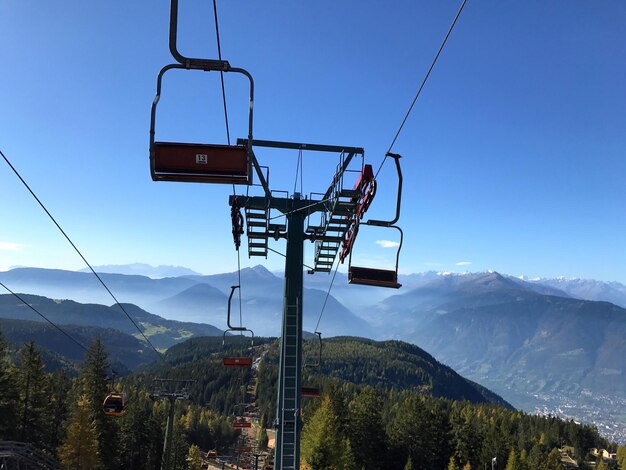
x: 194, y: 460
x: 621, y: 457
x: 553, y: 461
x: 452, y: 464
x: 467, y: 435
x: 600, y: 465
x: 347, y: 460
x: 368, y: 436
x: 512, y: 462
x: 262, y: 439
x: 523, y: 460
x: 494, y: 440
x: 33, y: 411
x: 409, y: 430
x: 80, y: 449
x: 180, y: 448
x: 8, y: 394
x: 139, y: 433
x: 537, y: 457
x: 320, y: 441
x: 94, y: 383
x: 59, y: 386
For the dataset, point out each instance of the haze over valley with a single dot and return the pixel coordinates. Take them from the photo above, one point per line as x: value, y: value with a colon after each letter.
x: 545, y: 345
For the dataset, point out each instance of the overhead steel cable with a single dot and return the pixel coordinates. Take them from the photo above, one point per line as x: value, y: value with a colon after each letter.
x: 80, y: 254
x: 316, y: 203
x: 419, y: 91
x: 332, y: 281
x: 299, y: 171
x: 219, y: 55
x: 284, y: 256
x: 70, y: 337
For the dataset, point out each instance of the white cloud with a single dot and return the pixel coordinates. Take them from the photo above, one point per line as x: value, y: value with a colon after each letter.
x: 9, y: 246
x: 463, y: 263
x: 387, y: 243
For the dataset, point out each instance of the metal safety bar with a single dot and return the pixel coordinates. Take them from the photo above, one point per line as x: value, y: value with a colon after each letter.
x: 319, y: 357
x: 389, y: 223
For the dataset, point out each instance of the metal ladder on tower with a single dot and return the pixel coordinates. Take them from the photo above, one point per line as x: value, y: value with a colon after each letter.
x: 335, y: 224
x: 290, y: 413
x: 257, y: 221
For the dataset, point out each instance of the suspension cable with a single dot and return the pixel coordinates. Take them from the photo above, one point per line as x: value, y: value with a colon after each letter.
x: 326, y: 299
x: 219, y: 55
x: 298, y: 171
x: 80, y: 254
x: 419, y: 91
x: 239, y: 284
x: 74, y: 340
x: 284, y: 256
x: 21, y: 299
x: 316, y: 203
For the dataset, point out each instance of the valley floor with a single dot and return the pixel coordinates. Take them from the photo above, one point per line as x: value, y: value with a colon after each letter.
x: 588, y: 408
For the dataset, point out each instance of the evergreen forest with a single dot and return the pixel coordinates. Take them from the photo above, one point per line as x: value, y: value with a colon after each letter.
x: 361, y: 420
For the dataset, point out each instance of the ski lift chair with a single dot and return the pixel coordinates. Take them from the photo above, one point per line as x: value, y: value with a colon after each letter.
x: 194, y: 162
x: 239, y: 421
x: 375, y: 276
x: 242, y: 360
x: 309, y: 391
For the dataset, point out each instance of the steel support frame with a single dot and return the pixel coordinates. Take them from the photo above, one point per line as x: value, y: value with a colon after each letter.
x: 288, y: 421
x: 288, y: 410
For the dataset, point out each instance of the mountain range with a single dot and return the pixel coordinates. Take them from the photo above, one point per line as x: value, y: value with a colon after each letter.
x: 507, y: 333
x: 142, y: 269
x: 531, y: 341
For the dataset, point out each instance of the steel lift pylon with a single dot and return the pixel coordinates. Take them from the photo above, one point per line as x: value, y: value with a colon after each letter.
x: 340, y: 209
x: 296, y: 209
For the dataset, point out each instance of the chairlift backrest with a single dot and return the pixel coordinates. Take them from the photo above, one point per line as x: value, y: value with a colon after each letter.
x: 237, y: 361
x: 310, y: 392
x: 201, y: 163
x: 373, y: 277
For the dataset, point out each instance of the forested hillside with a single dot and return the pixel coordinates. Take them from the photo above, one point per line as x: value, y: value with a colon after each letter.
x: 385, y: 421
x: 63, y: 416
x: 126, y: 352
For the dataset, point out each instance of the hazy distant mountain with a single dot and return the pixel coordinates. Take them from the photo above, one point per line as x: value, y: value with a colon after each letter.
x: 504, y: 334
x: 261, y: 309
x: 84, y: 287
x: 198, y: 303
x: 161, y: 332
x: 588, y: 289
x: 141, y: 269
x: 196, y: 298
x: 253, y: 281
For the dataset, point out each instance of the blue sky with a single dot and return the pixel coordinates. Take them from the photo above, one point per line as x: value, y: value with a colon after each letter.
x: 513, y: 157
